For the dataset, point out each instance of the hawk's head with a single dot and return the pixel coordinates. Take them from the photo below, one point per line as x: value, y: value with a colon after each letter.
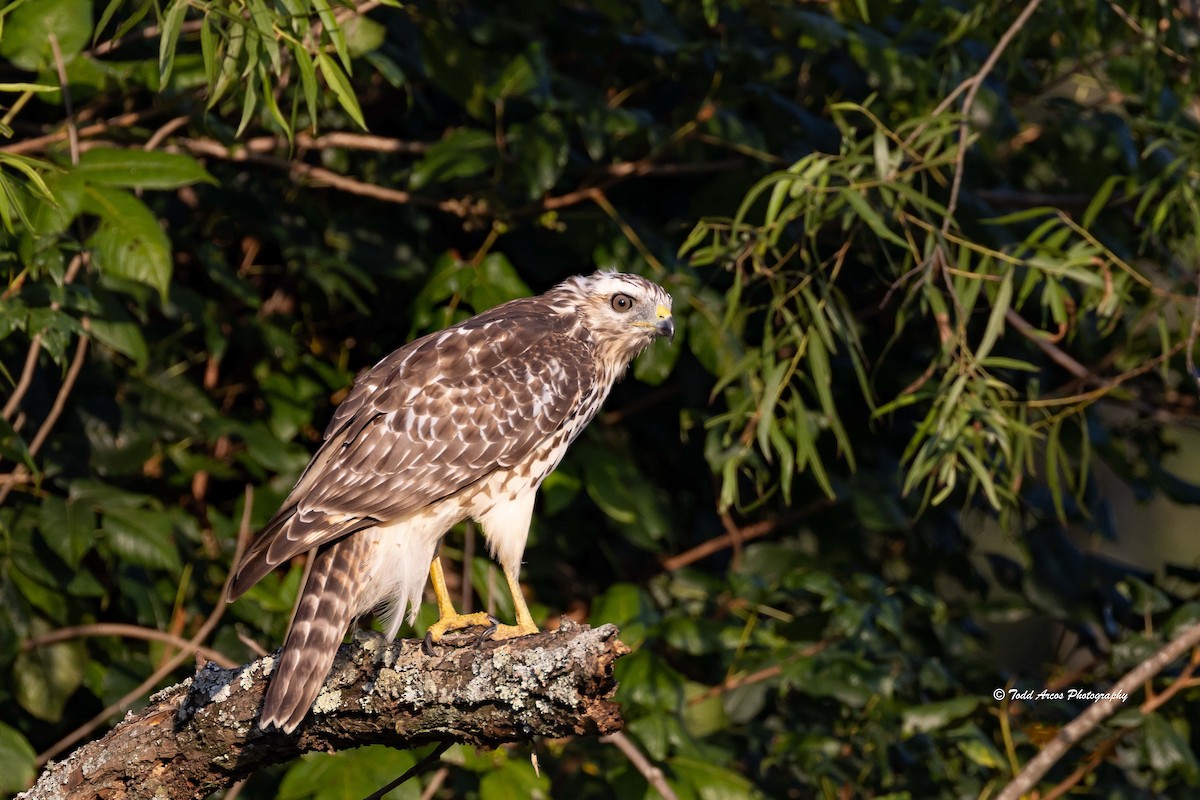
x: 623, y: 313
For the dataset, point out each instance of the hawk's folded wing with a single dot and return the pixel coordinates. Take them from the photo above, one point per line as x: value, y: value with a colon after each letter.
x: 429, y: 420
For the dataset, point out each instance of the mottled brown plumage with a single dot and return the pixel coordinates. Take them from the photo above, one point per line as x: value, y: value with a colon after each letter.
x: 466, y: 422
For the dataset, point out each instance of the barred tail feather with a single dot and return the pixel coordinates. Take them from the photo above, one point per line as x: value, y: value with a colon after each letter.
x: 327, y: 605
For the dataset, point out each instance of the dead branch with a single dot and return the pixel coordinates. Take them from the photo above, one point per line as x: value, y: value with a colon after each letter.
x: 202, y: 734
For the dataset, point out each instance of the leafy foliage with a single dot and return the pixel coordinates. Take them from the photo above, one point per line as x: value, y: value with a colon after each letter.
x: 928, y: 338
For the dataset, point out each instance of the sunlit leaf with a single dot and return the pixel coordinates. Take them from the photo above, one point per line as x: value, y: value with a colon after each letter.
x: 140, y: 169
x: 129, y: 242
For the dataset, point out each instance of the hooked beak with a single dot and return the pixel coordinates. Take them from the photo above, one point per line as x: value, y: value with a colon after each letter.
x: 665, y: 326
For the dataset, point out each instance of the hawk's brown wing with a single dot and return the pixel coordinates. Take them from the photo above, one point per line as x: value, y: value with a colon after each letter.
x: 430, y: 419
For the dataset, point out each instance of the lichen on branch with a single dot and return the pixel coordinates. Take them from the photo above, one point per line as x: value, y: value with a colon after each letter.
x: 202, y: 734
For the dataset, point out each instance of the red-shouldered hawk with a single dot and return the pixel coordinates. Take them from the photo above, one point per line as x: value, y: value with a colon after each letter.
x: 463, y: 423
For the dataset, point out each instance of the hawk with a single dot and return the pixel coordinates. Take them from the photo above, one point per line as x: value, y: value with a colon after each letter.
x: 463, y: 423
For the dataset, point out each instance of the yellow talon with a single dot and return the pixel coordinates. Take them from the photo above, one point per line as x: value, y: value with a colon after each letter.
x: 450, y: 620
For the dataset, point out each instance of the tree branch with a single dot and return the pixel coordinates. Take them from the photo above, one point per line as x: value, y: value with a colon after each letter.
x: 1097, y: 712
x: 202, y: 734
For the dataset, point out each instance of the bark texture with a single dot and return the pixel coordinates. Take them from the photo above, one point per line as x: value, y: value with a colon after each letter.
x: 202, y: 734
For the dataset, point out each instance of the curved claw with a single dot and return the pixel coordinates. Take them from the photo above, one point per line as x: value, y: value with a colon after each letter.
x: 487, y: 634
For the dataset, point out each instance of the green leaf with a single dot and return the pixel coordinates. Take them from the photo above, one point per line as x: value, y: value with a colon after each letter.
x: 263, y: 21
x: 495, y: 281
x: 168, y: 36
x: 140, y: 169
x: 123, y: 335
x: 703, y: 717
x: 1100, y: 200
x: 265, y: 77
x: 340, y: 84
x: 128, y: 244
x: 870, y: 216
x: 334, y: 32
x: 208, y: 49
x: 513, y: 778
x: 26, y: 33
x: 308, y: 78
x: 464, y: 153
x: 995, y: 325
x: 658, y: 733
x: 18, y: 761
x: 363, y: 35
x: 648, y: 681
x: 539, y: 149
x: 617, y: 487
x: 1167, y: 750
x: 710, y: 781
x: 772, y: 386
x: 349, y: 775
x: 228, y: 71
x: 49, y: 219
x: 982, y: 752
x: 69, y: 528
x: 932, y: 716
x: 45, y: 678
x: 142, y: 536
x: 627, y: 607
x: 249, y: 106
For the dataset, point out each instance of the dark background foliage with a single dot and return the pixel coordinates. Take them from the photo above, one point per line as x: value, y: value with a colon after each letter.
x: 901, y: 454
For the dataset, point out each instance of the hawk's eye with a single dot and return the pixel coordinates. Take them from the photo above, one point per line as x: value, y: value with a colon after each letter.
x: 622, y: 302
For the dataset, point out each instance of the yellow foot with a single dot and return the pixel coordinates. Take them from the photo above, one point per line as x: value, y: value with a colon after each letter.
x: 457, y: 622
x: 510, y: 631
x: 492, y: 629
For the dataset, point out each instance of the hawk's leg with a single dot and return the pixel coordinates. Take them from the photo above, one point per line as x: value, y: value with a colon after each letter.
x: 525, y: 624
x: 448, y: 618
x: 451, y: 620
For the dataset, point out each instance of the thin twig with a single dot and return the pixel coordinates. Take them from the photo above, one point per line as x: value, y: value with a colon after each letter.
x: 759, y: 529
x: 72, y: 130
x: 1054, y: 353
x: 1097, y: 712
x: 343, y: 140
x: 976, y: 83
x: 60, y: 401
x: 1183, y: 681
x: 764, y: 674
x: 164, y: 131
x: 31, y: 359
x: 35, y: 348
x: 1094, y: 759
x: 322, y: 176
x: 127, y: 632
x: 170, y: 666
x: 653, y: 775
x: 1137, y: 28
x: 39, y: 143
x: 435, y: 782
